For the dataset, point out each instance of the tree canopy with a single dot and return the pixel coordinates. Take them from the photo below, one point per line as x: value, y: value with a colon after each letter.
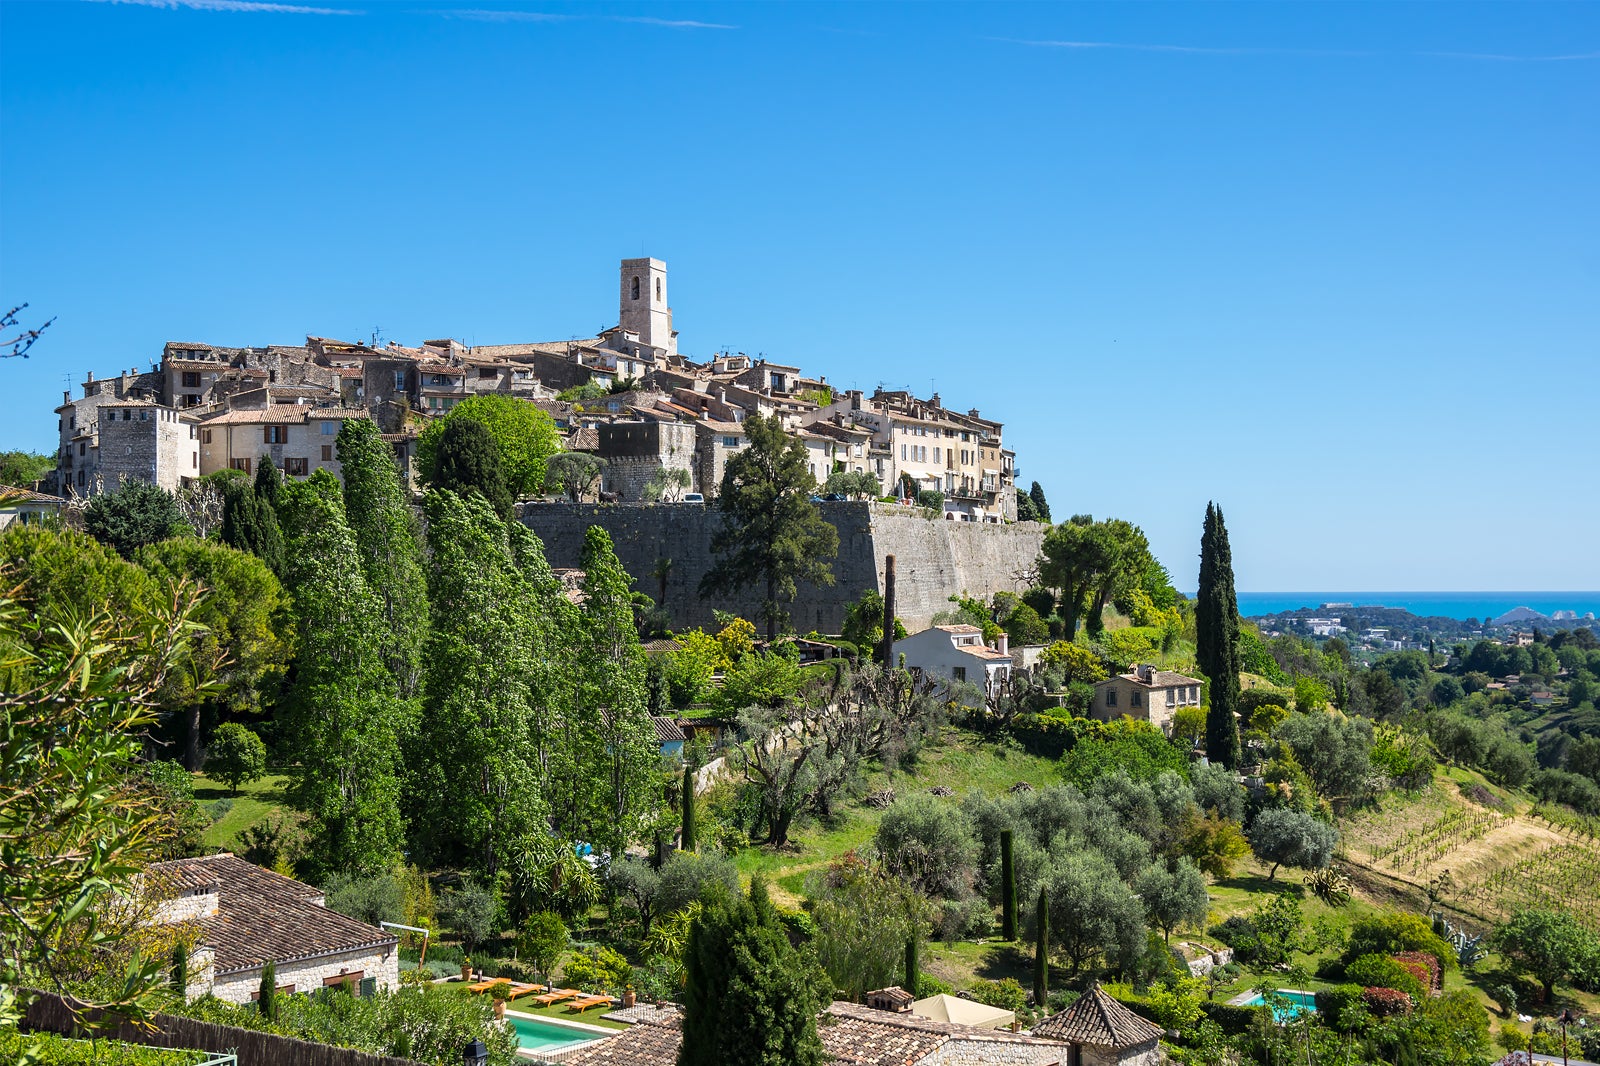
x: 465, y: 459
x: 772, y: 537
x: 133, y: 515
x: 524, y: 439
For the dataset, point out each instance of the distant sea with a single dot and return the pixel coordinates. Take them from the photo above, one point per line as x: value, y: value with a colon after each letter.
x: 1424, y: 604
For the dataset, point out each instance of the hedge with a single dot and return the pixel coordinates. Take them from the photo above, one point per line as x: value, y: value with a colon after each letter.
x: 1232, y: 1019
x: 53, y: 1050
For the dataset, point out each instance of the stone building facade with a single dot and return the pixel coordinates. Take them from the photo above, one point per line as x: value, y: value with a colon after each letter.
x: 1147, y: 694
x: 636, y: 451
x: 244, y: 917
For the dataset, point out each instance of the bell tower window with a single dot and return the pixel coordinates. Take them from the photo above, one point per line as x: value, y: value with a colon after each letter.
x: 635, y: 287
x: 658, y: 290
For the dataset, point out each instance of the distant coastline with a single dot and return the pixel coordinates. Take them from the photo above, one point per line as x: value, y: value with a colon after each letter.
x: 1459, y: 605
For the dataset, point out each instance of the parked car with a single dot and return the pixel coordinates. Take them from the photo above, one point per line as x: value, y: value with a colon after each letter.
x: 694, y: 497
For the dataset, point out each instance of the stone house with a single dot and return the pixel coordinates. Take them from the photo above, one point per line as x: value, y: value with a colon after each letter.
x: 1102, y: 1032
x: 245, y: 917
x: 24, y: 506
x: 635, y: 450
x: 124, y: 438
x: 957, y: 653
x: 298, y: 438
x: 1147, y: 694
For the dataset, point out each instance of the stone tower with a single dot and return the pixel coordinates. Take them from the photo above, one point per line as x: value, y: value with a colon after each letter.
x: 644, y: 303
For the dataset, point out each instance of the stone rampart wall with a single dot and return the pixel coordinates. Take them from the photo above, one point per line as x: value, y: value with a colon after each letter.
x: 934, y: 559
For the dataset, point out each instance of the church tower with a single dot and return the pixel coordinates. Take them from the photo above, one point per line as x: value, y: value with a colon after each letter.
x: 644, y: 303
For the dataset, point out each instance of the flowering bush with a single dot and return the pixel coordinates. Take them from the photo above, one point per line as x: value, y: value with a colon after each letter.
x: 1423, y: 966
x: 1386, y: 1001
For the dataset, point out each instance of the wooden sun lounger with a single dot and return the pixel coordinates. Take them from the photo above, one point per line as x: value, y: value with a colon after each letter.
x: 523, y: 989
x: 581, y: 1005
x: 483, y: 986
x: 557, y: 996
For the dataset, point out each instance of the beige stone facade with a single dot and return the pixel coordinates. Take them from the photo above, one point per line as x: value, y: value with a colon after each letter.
x: 1147, y: 694
x: 298, y: 438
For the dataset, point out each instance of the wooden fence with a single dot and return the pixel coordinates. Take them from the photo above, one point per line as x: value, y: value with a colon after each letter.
x: 49, y: 1013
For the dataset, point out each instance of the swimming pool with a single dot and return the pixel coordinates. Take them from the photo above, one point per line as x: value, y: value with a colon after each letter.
x: 1297, y: 1003
x: 532, y: 1033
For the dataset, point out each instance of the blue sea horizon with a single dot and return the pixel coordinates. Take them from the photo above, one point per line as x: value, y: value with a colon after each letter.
x: 1460, y: 605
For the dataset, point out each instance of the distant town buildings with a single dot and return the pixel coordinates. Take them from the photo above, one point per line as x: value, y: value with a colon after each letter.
x: 202, y: 408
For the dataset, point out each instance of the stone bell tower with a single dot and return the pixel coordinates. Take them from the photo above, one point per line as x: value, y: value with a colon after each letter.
x: 644, y: 303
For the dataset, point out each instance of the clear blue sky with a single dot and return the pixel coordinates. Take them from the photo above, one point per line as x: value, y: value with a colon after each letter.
x: 1335, y: 266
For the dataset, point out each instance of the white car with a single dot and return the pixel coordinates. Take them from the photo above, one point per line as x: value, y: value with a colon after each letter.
x: 693, y: 497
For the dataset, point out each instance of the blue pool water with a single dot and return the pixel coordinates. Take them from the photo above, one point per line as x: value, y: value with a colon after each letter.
x: 1298, y: 1003
x: 532, y: 1033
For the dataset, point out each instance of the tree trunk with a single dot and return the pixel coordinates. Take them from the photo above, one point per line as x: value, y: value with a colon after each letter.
x: 191, y: 744
x: 772, y: 607
x: 886, y: 644
x: 1273, y: 873
x: 780, y: 828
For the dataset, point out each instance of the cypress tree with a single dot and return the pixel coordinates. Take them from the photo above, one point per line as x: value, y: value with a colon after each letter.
x: 180, y: 968
x: 267, y: 997
x: 1217, y: 639
x: 467, y: 460
x: 1008, y: 889
x: 1040, y: 506
x: 913, y: 971
x: 268, y: 482
x: 688, y: 808
x: 1041, y: 953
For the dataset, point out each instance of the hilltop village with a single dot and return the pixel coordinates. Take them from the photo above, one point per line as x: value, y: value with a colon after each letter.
x: 626, y: 396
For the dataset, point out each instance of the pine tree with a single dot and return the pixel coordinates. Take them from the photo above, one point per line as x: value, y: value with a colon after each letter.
x: 388, y: 543
x: 750, y: 997
x: 688, y: 808
x: 466, y: 460
x: 1217, y: 640
x: 1008, y: 889
x: 267, y: 995
x: 913, y: 970
x: 1040, y: 506
x: 772, y: 536
x: 342, y: 718
x: 1041, y: 952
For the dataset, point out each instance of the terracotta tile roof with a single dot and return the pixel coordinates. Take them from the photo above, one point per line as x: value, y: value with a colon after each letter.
x: 1100, y: 1021
x: 667, y: 730
x: 1157, y: 679
x: 643, y: 1013
x: 28, y: 495
x: 660, y: 646
x: 650, y: 1043
x: 961, y: 628
x: 264, y: 916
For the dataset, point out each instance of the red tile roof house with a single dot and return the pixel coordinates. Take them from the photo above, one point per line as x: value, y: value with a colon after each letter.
x: 247, y: 917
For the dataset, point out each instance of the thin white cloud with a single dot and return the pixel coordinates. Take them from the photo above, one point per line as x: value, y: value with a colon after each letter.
x: 677, y: 24
x: 502, y: 15
x: 1492, y: 57
x: 1184, y: 49
x: 253, y: 7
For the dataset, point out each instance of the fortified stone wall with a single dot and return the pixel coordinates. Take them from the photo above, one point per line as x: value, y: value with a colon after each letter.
x: 934, y: 559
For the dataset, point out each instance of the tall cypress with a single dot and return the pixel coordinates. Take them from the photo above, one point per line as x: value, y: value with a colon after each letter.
x: 1008, y: 889
x: 688, y: 807
x: 1217, y: 639
x: 1041, y: 953
x: 267, y: 996
x: 180, y: 968
x: 913, y: 970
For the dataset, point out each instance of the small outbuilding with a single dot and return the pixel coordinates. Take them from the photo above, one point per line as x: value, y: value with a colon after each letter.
x: 1102, y: 1032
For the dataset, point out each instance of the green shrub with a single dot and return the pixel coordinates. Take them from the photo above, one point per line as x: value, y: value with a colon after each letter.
x: 1005, y: 993
x: 598, y: 968
x: 1231, y: 1019
x: 930, y: 986
x: 1394, y: 932
x: 1380, y: 971
x: 236, y: 756
x: 49, y: 1049
x: 1334, y: 1006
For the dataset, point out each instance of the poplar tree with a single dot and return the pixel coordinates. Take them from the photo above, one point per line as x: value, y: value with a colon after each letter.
x: 474, y: 788
x: 389, y: 546
x: 342, y: 718
x: 616, y: 750
x: 1216, y: 619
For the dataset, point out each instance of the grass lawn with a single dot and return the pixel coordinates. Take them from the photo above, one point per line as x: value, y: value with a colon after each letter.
x: 253, y: 803
x: 962, y: 760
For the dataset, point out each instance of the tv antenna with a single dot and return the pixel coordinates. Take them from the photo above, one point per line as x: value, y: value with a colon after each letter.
x: 377, y: 335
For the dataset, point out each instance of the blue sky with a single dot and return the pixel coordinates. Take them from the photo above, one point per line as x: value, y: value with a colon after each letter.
x: 1336, y: 267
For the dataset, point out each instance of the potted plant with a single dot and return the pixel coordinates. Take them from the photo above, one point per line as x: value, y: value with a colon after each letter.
x: 500, y: 991
x: 629, y: 997
x: 466, y: 968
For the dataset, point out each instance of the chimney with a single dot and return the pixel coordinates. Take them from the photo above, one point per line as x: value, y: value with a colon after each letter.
x: 1003, y: 644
